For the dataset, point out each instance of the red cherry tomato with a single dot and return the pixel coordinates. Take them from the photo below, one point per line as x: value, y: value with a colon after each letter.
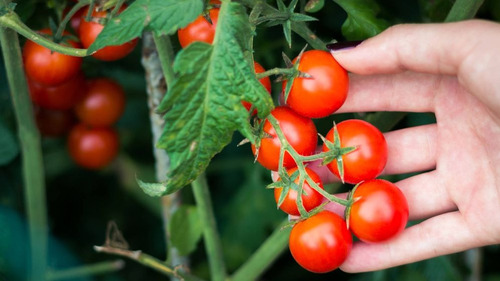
x: 266, y: 82
x: 370, y: 156
x: 47, y: 67
x: 300, y: 132
x: 103, y: 103
x: 53, y: 123
x: 320, y: 243
x: 325, y: 92
x: 89, y: 31
x: 92, y: 148
x: 60, y: 97
x: 379, y: 212
x: 310, y: 197
x: 199, y: 30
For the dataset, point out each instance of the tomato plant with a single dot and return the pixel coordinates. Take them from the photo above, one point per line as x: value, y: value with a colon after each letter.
x: 60, y: 97
x: 320, y: 243
x: 324, y: 92
x: 370, y: 156
x: 300, y: 132
x: 379, y: 211
x: 200, y: 29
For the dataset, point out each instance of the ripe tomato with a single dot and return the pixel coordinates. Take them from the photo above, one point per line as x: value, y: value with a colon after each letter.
x: 199, y: 30
x: 370, y: 156
x: 320, y: 243
x: 266, y: 82
x: 102, y: 104
x: 310, y: 197
x: 322, y: 94
x: 47, y: 67
x: 92, y: 148
x: 89, y: 31
x: 53, y: 123
x: 300, y: 132
x: 379, y: 212
x: 60, y: 97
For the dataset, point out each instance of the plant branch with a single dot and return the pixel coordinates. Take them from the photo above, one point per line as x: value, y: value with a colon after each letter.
x: 86, y: 270
x: 166, y: 56
x: 276, y: 71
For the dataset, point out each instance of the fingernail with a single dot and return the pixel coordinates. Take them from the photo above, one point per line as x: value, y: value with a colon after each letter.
x: 343, y: 46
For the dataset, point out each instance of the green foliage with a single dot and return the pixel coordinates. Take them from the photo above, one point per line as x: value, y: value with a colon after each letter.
x: 362, y: 21
x: 8, y: 145
x: 185, y: 229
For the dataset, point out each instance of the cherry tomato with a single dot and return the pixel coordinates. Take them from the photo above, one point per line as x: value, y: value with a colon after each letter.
x: 310, y: 197
x: 323, y: 93
x: 320, y: 243
x: 103, y: 103
x: 266, y: 82
x: 53, y: 123
x: 89, y: 31
x: 60, y: 97
x: 47, y: 67
x: 300, y: 132
x: 92, y: 148
x: 379, y: 212
x: 370, y: 156
x: 199, y: 30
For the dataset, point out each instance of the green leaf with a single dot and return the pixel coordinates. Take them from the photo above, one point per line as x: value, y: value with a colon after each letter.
x: 203, y: 104
x: 8, y: 146
x: 160, y: 16
x: 361, y: 21
x: 185, y: 229
x: 152, y: 189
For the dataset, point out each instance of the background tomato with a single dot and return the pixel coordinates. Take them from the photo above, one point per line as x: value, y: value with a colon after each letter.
x: 310, y: 197
x: 266, y: 82
x: 47, y: 67
x: 379, y: 211
x: 89, y: 30
x: 92, y: 148
x: 320, y: 243
x: 54, y: 123
x: 325, y: 92
x: 60, y: 97
x: 199, y: 30
x: 300, y: 132
x: 102, y: 104
x: 370, y: 157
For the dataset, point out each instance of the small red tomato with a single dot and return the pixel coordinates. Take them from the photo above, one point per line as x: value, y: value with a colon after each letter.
x: 47, y: 67
x: 266, y: 82
x: 199, y: 30
x: 60, y: 97
x: 370, y: 156
x: 320, y: 243
x: 310, y: 197
x: 300, y: 132
x: 53, y: 123
x: 379, y: 211
x: 89, y: 30
x: 323, y: 93
x: 92, y: 148
x: 102, y: 104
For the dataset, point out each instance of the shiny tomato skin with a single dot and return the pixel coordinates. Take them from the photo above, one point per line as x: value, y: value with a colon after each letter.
x: 266, y: 82
x: 47, y: 67
x: 54, y: 123
x: 310, y: 197
x: 320, y: 243
x: 379, y: 211
x: 370, y: 157
x: 199, y: 30
x: 102, y: 104
x: 300, y: 132
x: 60, y: 97
x: 325, y: 92
x: 92, y: 148
x: 89, y: 30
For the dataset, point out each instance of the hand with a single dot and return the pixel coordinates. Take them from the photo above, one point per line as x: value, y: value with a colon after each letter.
x: 452, y: 70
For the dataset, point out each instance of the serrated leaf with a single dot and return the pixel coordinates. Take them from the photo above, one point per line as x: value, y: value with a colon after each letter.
x: 8, y: 146
x: 296, y: 17
x: 361, y: 21
x: 160, y: 16
x: 203, y: 104
x: 185, y: 229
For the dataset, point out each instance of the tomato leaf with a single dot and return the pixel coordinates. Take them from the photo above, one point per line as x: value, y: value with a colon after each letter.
x: 160, y: 16
x: 361, y: 21
x: 185, y: 229
x: 8, y: 145
x: 203, y: 104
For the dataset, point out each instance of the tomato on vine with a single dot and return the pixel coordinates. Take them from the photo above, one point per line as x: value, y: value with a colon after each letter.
x: 320, y: 243
x: 266, y: 82
x: 48, y: 67
x: 199, y: 30
x: 53, y: 123
x: 368, y: 159
x: 300, y: 132
x: 379, y: 211
x: 324, y: 92
x: 60, y: 97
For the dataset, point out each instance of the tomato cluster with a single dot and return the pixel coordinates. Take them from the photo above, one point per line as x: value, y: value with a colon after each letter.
x: 67, y: 103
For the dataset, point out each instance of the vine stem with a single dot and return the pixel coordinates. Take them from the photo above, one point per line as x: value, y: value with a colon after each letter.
x: 32, y: 161
x: 86, y: 270
x: 276, y: 71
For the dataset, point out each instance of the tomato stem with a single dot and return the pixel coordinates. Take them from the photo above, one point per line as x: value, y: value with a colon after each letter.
x: 67, y: 18
x: 276, y: 71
